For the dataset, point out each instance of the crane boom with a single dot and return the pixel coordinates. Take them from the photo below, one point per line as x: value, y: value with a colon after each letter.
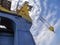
x: 51, y: 28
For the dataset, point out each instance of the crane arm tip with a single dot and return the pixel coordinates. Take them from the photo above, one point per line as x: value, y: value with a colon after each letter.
x: 51, y: 28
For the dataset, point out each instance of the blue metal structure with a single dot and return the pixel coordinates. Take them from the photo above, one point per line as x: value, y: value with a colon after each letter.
x: 17, y: 33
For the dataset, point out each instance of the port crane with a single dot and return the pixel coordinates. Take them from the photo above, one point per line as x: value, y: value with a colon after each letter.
x: 24, y: 12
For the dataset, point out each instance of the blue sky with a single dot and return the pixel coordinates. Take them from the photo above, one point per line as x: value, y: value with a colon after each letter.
x: 50, y: 10
x: 56, y: 39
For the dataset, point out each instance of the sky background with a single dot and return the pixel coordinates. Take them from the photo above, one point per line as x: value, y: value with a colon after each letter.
x: 50, y: 11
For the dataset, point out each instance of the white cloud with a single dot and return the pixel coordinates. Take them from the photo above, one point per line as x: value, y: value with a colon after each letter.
x: 44, y: 36
x: 36, y: 8
x: 57, y: 25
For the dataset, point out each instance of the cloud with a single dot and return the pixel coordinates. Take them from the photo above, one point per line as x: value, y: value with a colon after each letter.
x: 57, y: 25
x: 36, y: 9
x: 41, y: 34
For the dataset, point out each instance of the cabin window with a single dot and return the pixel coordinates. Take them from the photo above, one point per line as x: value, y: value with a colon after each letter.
x: 6, y: 31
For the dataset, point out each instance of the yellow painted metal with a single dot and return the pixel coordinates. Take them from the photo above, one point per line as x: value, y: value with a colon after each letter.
x: 4, y: 9
x: 51, y: 28
x: 22, y: 12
